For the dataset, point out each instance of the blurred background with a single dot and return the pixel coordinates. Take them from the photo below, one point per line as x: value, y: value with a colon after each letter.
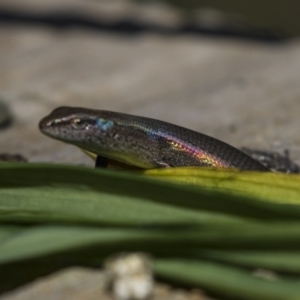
x: 230, y: 69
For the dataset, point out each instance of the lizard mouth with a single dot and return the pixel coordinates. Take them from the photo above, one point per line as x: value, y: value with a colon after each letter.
x: 47, y: 124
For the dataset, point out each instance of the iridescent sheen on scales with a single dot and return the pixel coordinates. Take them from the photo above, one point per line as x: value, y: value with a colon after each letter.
x: 140, y: 141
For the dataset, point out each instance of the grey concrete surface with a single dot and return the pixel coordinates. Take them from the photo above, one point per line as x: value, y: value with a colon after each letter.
x: 246, y: 93
x: 79, y: 283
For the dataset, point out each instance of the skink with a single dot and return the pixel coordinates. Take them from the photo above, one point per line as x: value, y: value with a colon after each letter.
x: 142, y: 142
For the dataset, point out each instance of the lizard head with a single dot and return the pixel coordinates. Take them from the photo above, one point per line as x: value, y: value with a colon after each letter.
x: 113, y: 135
x: 79, y: 126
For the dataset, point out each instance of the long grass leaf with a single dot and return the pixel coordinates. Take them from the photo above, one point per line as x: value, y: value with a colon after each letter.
x: 281, y: 261
x: 43, y: 193
x: 35, y: 192
x: 43, y: 240
x: 226, y: 281
x: 264, y: 186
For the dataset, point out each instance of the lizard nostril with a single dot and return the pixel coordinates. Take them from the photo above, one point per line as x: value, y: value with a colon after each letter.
x: 41, y: 124
x: 45, y: 123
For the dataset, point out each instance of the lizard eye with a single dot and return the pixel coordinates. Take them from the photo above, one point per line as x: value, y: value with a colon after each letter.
x: 78, y: 123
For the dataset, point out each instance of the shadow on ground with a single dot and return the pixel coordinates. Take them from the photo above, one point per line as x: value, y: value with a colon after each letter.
x: 126, y: 26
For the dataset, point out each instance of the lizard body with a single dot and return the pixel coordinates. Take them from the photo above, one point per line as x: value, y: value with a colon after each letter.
x: 142, y: 142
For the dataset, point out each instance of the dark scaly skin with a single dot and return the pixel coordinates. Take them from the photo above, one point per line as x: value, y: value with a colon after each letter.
x: 142, y: 142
